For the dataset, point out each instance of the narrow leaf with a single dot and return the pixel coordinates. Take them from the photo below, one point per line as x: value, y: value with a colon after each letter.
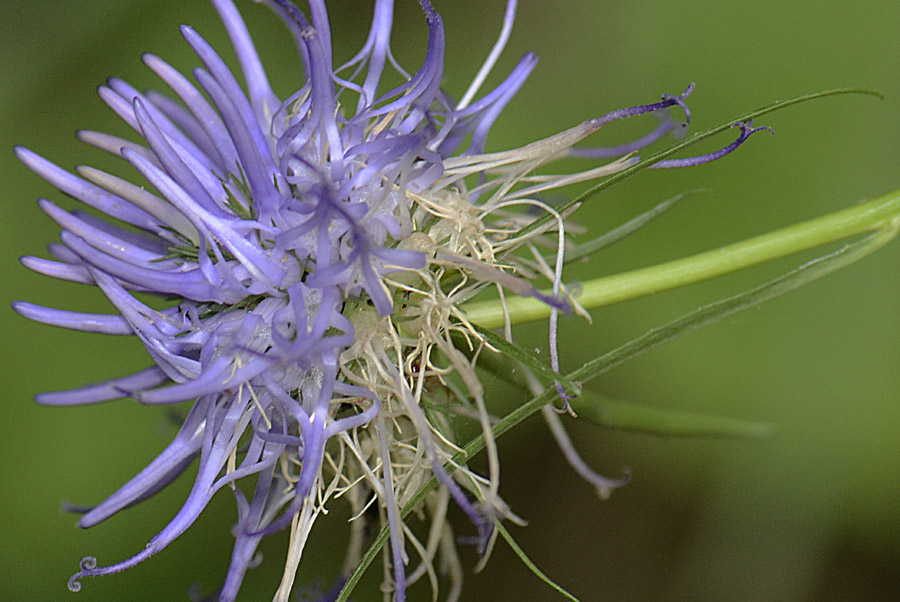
x: 626, y: 416
x: 615, y: 235
x: 527, y: 562
x: 513, y: 351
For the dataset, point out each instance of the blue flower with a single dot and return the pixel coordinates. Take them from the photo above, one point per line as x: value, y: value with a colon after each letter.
x: 316, y: 249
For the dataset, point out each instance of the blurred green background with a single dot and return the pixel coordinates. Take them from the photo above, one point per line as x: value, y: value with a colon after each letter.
x: 810, y: 515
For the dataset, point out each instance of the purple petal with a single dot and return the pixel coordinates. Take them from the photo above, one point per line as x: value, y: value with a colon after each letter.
x: 205, y: 115
x: 249, y: 255
x: 202, y: 185
x: 115, y: 145
x: 264, y: 101
x: 100, y: 239
x: 105, y: 391
x: 85, y: 192
x: 140, y: 197
x: 218, y: 377
x: 190, y: 284
x: 747, y: 130
x: 164, y: 469
x: 98, y: 323
x: 250, y: 141
x: 56, y: 269
x: 178, y: 138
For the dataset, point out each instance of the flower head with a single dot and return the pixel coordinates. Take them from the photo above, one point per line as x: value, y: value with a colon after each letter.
x: 318, y: 249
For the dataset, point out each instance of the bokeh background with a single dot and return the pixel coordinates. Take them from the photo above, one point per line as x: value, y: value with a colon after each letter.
x: 810, y: 515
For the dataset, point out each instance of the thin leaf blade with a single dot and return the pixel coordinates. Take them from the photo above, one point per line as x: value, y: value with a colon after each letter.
x: 639, y: 418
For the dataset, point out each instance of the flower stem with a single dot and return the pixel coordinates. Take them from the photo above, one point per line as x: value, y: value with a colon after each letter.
x: 864, y: 217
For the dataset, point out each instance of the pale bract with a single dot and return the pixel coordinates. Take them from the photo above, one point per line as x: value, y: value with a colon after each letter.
x: 319, y: 249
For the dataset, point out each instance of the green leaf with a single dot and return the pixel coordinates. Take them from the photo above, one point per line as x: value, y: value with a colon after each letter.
x: 627, y: 416
x: 513, y: 351
x: 615, y: 235
x: 527, y: 562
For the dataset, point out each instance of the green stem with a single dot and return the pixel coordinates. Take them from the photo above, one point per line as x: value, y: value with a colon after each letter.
x: 598, y: 292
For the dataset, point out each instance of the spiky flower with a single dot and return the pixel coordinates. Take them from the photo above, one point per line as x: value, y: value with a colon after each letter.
x: 318, y: 249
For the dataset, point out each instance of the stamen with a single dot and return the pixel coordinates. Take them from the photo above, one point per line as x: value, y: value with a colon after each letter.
x: 509, y: 17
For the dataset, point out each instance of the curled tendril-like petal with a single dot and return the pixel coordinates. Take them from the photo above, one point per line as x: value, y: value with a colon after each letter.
x: 747, y: 130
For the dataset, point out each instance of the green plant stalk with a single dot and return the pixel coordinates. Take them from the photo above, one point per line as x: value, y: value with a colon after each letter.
x: 865, y: 217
